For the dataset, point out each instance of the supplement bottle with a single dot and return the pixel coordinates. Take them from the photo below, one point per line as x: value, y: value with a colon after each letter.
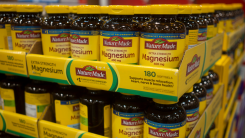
x: 191, y: 25
x: 213, y: 18
x: 37, y: 97
x: 12, y: 94
x: 201, y: 92
x: 162, y: 41
x: 128, y: 117
x: 74, y: 12
x: 119, y: 40
x: 104, y: 16
x: 40, y: 14
x: 85, y: 37
x: 25, y: 28
x: 191, y: 104
x: 65, y: 104
x: 165, y: 118
x: 95, y: 113
x: 7, y: 13
x: 208, y: 84
x: 230, y: 18
x: 204, y: 15
x: 215, y: 78
x: 56, y: 31
x: 142, y: 14
x: 220, y: 14
x: 202, y: 31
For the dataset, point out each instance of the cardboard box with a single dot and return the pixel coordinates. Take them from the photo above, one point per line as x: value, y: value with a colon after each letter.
x: 153, y: 82
x: 207, y: 118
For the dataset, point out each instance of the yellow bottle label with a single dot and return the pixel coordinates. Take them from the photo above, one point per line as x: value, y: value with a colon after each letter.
x: 3, y: 37
x: 202, y: 105
x: 36, y: 103
x: 56, y: 42
x: 23, y: 37
x: 229, y: 25
x: 221, y: 26
x: 119, y: 46
x: 67, y: 113
x: 202, y: 35
x: 8, y: 100
x: 160, y: 49
x: 210, y: 31
x: 209, y: 95
x: 127, y: 125
x: 156, y: 130
x: 192, y: 38
x: 85, y: 44
x: 191, y: 119
x: 84, y: 119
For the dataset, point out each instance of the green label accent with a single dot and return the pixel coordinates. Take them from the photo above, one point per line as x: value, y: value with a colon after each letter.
x: 41, y: 108
x: 10, y: 103
x: 84, y: 120
x: 19, y: 134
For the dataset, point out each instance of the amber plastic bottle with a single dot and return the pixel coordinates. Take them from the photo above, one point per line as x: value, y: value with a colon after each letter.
x: 65, y: 105
x: 40, y: 13
x: 204, y: 15
x: 215, y: 78
x: 191, y: 104
x: 230, y: 18
x: 26, y: 28
x: 202, y: 31
x: 213, y: 18
x: 12, y: 94
x: 56, y: 31
x: 37, y: 97
x: 201, y: 92
x: 191, y: 26
x: 208, y: 84
x: 164, y: 116
x: 220, y: 14
x: 85, y: 37
x: 128, y: 109
x: 162, y: 41
x: 142, y: 14
x: 104, y: 16
x: 95, y: 113
x: 7, y: 13
x: 119, y: 36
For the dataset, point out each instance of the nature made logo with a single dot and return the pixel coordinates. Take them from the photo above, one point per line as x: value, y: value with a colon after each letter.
x: 134, y: 121
x: 160, y: 44
x: 28, y: 34
x: 194, y: 117
x: 163, y: 133
x: 202, y: 36
x: 198, y: 134
x: 63, y: 37
x: 90, y: 71
x: 76, y: 39
x: 117, y: 41
x: 193, y: 65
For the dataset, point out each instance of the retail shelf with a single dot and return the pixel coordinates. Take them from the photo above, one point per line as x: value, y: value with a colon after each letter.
x: 154, y: 82
x: 230, y: 39
x: 232, y: 99
x: 230, y: 123
x: 13, y: 62
x: 207, y: 118
x: 49, y: 129
x: 18, y: 124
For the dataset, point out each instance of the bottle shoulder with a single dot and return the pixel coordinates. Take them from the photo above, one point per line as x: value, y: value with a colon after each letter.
x: 112, y: 25
x: 164, y: 27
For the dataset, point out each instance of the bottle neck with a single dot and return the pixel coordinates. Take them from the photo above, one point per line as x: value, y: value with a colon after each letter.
x: 121, y: 18
x: 183, y: 17
x: 95, y: 92
x: 27, y: 15
x: 210, y: 14
x: 164, y: 18
x: 59, y: 16
x: 88, y: 16
x: 203, y: 15
x: 8, y: 14
x: 141, y: 17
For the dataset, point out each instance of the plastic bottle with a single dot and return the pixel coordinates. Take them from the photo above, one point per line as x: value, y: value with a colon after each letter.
x: 201, y: 92
x: 56, y: 31
x: 26, y: 28
x: 220, y: 14
x: 230, y: 18
x: 128, y: 117
x: 104, y: 16
x: 209, y: 20
x: 119, y: 39
x: 208, y: 84
x: 85, y: 37
x: 162, y: 41
x: 142, y: 14
x: 215, y: 78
